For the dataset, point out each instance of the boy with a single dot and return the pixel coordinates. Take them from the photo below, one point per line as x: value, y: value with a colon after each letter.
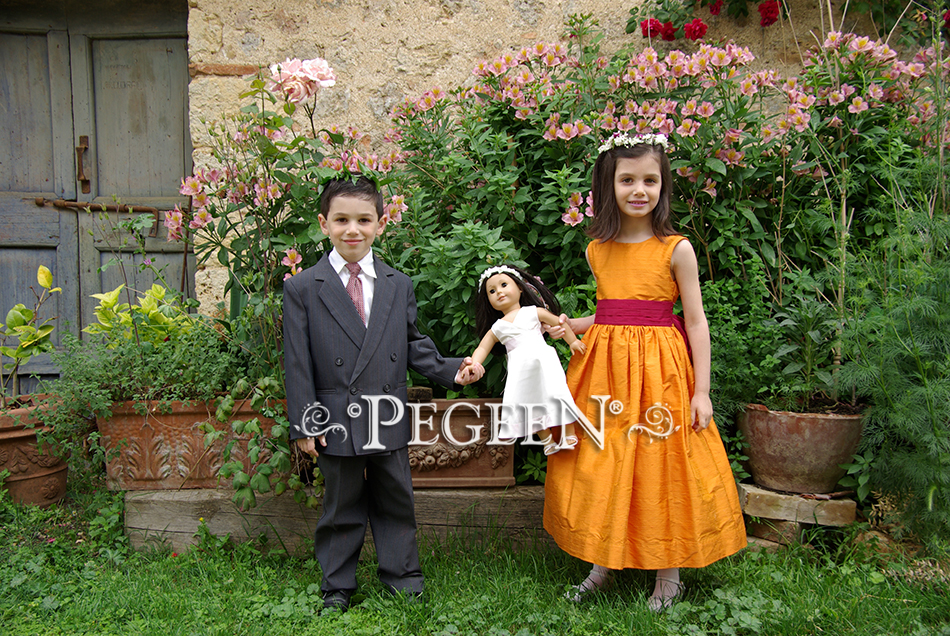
x: 349, y: 334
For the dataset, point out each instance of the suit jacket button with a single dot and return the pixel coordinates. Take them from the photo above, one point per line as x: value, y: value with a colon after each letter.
x: 338, y: 362
x: 386, y: 388
x: 393, y: 357
x: 354, y: 390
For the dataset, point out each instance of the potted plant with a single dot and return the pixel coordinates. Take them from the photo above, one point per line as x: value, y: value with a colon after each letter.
x: 853, y: 99
x: 37, y: 475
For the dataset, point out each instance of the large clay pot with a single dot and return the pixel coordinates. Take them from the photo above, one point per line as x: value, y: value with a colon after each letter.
x: 447, y: 465
x: 163, y: 448
x: 35, y: 477
x: 798, y: 452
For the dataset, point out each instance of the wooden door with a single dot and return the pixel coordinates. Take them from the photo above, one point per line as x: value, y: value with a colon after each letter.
x: 93, y: 111
x: 35, y: 165
x: 130, y: 104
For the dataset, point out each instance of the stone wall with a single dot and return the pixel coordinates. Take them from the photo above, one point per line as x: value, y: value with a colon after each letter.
x: 386, y: 50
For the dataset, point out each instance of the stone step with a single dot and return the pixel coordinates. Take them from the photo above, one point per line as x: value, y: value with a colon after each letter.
x: 767, y: 504
x: 171, y: 517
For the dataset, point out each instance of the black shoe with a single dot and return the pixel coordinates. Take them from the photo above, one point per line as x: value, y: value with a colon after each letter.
x: 337, y: 600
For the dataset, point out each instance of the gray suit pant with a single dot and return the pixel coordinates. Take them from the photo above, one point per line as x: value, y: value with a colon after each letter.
x: 385, y: 498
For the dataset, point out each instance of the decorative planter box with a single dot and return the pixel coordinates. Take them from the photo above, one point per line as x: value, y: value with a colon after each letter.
x: 164, y: 448
x: 447, y: 465
x: 35, y: 477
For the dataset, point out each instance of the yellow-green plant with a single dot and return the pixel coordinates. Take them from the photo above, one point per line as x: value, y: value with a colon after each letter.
x: 155, y: 318
x: 32, y: 336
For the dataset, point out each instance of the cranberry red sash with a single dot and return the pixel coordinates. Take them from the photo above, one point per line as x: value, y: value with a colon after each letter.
x: 642, y: 313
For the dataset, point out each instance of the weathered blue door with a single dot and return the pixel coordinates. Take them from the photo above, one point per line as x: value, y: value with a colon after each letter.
x: 93, y: 112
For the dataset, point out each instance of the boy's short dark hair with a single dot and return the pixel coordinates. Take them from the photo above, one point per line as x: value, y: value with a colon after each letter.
x: 357, y: 186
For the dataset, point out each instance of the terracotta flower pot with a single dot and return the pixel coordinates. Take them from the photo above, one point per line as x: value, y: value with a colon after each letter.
x: 447, y: 465
x: 164, y: 449
x: 798, y: 452
x: 35, y: 477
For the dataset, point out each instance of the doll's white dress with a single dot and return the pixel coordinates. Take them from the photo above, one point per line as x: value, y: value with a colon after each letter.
x: 535, y: 376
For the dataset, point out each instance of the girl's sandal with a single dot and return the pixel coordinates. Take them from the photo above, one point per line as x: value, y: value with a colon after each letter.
x: 662, y: 603
x: 579, y: 593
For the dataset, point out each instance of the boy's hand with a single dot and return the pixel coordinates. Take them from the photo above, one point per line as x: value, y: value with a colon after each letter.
x: 307, y: 445
x: 578, y: 346
x: 557, y: 332
x: 469, y: 372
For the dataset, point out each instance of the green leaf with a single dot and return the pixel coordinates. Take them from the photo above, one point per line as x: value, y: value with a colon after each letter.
x: 716, y: 165
x: 44, y: 277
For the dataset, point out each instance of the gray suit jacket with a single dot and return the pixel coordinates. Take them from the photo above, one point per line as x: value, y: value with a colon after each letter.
x: 332, y: 360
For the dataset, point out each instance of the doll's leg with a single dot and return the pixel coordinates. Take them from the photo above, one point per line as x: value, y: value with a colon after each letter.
x: 547, y: 438
x: 568, y: 437
x: 599, y: 578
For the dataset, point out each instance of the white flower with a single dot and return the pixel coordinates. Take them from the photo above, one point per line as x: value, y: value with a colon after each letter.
x: 623, y: 139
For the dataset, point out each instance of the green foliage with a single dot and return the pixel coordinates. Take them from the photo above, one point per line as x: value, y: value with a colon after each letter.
x: 31, y: 336
x: 902, y: 359
x: 746, y: 341
x: 859, y: 474
x: 736, y: 448
x: 155, y: 319
x: 533, y: 468
x: 730, y: 611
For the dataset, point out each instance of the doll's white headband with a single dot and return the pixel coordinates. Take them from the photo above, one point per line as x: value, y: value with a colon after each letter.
x: 623, y: 139
x: 498, y: 269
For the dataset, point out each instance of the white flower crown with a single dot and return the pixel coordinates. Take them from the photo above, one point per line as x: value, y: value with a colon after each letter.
x: 498, y: 269
x: 623, y: 139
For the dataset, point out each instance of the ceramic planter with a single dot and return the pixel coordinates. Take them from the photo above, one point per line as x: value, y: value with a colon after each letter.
x: 35, y: 477
x: 798, y: 452
x: 447, y: 465
x: 164, y: 449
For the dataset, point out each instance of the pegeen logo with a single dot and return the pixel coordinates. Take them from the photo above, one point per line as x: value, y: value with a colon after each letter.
x: 315, y: 421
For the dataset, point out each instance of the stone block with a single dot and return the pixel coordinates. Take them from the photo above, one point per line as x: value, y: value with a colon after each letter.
x: 758, y: 502
x: 783, y: 532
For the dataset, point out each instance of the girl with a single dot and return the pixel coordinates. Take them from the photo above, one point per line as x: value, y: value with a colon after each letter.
x: 510, y: 306
x: 660, y: 495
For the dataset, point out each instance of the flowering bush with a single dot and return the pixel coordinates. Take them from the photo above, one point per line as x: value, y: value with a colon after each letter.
x: 670, y: 19
x: 667, y: 20
x: 512, y: 154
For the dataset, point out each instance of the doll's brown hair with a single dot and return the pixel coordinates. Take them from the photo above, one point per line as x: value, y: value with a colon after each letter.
x: 533, y: 292
x: 606, y: 223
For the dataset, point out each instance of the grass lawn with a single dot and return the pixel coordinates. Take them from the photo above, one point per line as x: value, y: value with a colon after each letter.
x: 64, y: 571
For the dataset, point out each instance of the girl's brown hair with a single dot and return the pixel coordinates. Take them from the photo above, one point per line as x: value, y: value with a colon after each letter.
x: 606, y: 223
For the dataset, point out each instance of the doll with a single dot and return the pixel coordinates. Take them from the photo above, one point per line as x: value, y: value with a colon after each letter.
x: 510, y: 307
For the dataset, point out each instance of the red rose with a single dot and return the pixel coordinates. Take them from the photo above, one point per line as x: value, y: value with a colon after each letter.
x: 946, y: 19
x: 769, y: 12
x: 716, y: 7
x: 650, y: 28
x: 669, y: 31
x: 695, y: 29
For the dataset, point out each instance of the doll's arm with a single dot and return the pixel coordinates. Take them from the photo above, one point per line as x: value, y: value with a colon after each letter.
x: 547, y: 318
x: 484, y: 348
x: 686, y: 273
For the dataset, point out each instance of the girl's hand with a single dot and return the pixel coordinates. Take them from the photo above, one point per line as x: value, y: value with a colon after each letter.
x: 701, y: 411
x: 469, y: 372
x: 557, y: 331
x: 578, y: 346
